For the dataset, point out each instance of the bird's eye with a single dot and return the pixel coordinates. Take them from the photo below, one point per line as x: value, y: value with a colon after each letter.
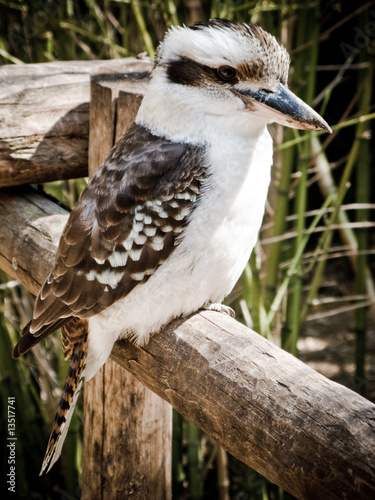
x: 227, y: 73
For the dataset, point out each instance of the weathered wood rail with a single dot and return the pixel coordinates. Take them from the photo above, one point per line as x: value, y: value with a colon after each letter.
x: 311, y: 436
x: 44, y: 125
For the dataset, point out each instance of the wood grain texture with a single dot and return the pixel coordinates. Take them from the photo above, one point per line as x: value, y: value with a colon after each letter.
x: 44, y: 126
x: 127, y: 428
x: 30, y: 227
x: 127, y: 438
x: 313, y: 437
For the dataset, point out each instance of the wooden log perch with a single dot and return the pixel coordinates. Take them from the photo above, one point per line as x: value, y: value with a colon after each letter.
x: 311, y: 436
x: 44, y: 126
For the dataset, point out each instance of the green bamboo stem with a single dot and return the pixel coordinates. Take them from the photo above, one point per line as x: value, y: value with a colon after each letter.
x: 222, y: 474
x: 338, y: 197
x: 97, y: 14
x: 295, y: 262
x: 124, y: 22
x: 325, y: 242
x: 142, y: 28
x: 178, y: 474
x: 310, y: 28
x: 194, y: 462
x: 251, y: 291
x: 172, y: 12
x: 280, y: 211
x: 327, y: 185
x: 8, y: 57
x: 279, y: 196
x: 93, y: 37
x: 363, y: 195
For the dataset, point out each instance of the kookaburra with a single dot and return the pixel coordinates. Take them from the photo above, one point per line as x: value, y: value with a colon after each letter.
x: 167, y: 225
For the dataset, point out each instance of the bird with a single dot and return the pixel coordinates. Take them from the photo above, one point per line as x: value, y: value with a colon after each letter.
x: 168, y: 223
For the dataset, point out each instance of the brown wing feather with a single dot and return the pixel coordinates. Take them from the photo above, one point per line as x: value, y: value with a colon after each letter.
x: 28, y: 340
x: 125, y: 224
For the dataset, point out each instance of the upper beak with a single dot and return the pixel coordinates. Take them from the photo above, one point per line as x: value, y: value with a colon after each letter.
x: 284, y: 107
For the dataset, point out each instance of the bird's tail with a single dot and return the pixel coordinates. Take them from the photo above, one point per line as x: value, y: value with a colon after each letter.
x: 76, y: 349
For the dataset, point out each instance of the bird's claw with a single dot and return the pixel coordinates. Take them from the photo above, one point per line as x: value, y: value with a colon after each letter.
x: 220, y: 308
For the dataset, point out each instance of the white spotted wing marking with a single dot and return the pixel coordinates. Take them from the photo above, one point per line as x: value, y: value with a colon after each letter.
x: 143, y: 230
x: 118, y: 258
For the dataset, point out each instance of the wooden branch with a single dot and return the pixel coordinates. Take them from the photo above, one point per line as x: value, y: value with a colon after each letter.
x: 44, y: 126
x: 311, y: 436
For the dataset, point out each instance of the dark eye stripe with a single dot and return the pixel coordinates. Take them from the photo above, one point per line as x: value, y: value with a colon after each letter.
x: 185, y: 71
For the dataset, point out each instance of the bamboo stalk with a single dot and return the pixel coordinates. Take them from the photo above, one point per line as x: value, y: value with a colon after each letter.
x: 222, y: 474
x: 101, y: 39
x: 178, y: 474
x: 280, y: 211
x: 362, y: 196
x: 338, y: 197
x: 251, y: 293
x: 307, y: 27
x: 142, y: 27
x: 294, y: 263
x: 194, y: 461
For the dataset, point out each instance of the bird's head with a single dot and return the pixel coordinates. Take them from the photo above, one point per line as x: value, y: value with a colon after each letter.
x: 231, y: 70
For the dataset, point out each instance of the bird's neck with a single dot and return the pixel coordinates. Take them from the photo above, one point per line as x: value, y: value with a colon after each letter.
x: 238, y: 147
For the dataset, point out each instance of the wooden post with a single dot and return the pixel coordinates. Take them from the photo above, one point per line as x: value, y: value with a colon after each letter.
x: 127, y: 428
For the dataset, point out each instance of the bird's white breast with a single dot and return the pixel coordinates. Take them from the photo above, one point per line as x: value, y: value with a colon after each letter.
x: 223, y: 229
x: 212, y: 253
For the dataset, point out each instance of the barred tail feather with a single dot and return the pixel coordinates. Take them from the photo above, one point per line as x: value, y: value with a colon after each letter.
x: 66, y: 406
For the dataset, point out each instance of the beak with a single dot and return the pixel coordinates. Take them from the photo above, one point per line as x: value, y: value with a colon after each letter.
x: 282, y: 106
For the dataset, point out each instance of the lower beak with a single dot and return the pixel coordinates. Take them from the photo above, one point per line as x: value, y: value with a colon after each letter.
x: 282, y: 106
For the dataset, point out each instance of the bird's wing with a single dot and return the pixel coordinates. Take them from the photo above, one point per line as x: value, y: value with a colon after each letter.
x: 125, y: 225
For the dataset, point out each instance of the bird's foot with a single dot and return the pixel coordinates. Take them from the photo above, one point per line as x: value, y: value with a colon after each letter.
x: 210, y: 306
